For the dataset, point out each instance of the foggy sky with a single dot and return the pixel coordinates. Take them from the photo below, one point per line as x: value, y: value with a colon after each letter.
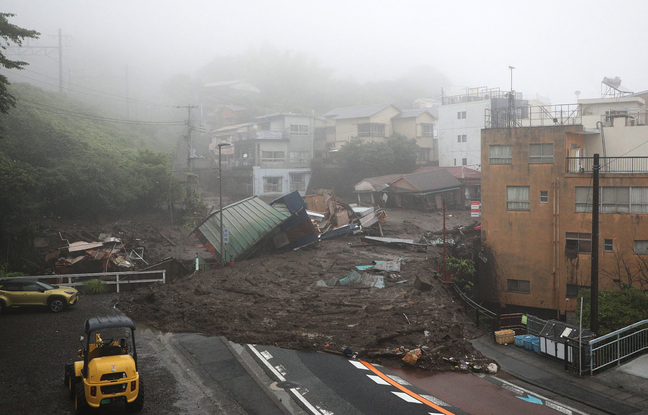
x: 557, y: 47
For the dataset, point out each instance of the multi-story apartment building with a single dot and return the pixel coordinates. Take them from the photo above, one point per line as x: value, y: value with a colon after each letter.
x: 375, y: 123
x: 269, y: 157
x: 461, y: 119
x: 536, y: 209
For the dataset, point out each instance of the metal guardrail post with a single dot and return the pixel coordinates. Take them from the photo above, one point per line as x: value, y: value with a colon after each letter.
x: 618, y: 351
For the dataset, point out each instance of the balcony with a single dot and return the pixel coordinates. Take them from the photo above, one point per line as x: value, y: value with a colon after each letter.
x: 620, y: 165
x: 260, y: 135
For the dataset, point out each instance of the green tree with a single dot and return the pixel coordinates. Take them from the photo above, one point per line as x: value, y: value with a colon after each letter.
x: 617, y: 308
x: 10, y: 34
x: 360, y: 159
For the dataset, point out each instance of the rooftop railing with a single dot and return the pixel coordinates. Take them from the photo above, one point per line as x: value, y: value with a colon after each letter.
x: 534, y: 116
x: 623, y: 165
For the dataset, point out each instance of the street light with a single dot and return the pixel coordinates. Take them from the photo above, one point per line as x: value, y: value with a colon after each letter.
x: 220, y: 197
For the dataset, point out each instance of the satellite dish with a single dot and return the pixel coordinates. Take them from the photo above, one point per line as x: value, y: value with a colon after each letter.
x: 245, y: 155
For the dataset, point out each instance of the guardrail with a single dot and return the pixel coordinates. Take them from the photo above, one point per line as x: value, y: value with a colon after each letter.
x: 485, y: 319
x: 618, y: 345
x: 108, y: 278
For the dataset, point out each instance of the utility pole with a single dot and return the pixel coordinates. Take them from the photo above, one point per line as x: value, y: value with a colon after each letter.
x: 594, y: 321
x: 43, y: 50
x: 190, y: 150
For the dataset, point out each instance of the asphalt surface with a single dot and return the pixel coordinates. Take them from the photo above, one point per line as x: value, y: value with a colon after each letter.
x: 621, y: 391
x: 194, y: 374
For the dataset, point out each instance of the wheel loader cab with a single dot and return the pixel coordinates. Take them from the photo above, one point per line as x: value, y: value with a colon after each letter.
x: 106, y: 373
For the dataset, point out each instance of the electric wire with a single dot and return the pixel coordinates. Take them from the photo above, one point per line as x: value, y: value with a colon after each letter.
x: 61, y: 111
x: 107, y: 95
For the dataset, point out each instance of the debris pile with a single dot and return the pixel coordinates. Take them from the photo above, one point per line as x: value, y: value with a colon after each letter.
x: 79, y: 257
x: 289, y: 222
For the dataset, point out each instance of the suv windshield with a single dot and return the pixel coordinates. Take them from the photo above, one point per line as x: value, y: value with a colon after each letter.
x: 46, y: 286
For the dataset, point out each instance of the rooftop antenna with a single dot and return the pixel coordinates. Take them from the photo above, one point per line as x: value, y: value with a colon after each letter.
x: 511, y: 68
x: 577, y: 93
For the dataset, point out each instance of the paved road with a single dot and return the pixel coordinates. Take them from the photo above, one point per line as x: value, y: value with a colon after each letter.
x: 332, y: 384
x: 193, y: 374
x: 35, y: 344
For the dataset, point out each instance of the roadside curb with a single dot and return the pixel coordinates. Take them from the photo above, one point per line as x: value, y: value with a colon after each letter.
x: 256, y: 376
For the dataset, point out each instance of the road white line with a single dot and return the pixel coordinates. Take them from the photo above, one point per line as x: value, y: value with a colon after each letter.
x: 278, y: 375
x: 378, y: 380
x: 406, y: 397
x: 434, y: 400
x: 358, y: 365
x: 399, y: 380
x: 556, y: 406
x: 298, y: 396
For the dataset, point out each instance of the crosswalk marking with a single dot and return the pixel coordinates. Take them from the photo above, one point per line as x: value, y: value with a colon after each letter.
x: 406, y: 397
x: 378, y: 380
x: 358, y: 365
x: 399, y: 380
x: 407, y: 394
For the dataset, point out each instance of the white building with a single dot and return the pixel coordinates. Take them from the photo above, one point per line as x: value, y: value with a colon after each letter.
x: 461, y: 119
x: 269, y: 157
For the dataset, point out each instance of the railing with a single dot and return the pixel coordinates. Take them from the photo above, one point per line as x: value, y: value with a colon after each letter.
x: 483, y: 318
x: 618, y: 345
x: 625, y: 165
x: 108, y: 278
x: 534, y: 116
x: 478, y: 94
x: 624, y: 118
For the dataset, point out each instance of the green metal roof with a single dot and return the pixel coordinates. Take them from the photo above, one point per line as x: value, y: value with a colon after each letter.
x: 248, y: 222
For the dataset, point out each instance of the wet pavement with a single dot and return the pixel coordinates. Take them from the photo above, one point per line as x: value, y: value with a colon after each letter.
x: 622, y: 390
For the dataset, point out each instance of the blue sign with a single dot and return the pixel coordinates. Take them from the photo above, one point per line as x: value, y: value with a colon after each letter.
x: 225, y: 235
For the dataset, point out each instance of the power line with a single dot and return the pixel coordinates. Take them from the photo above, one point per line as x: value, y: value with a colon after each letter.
x: 116, y: 97
x: 98, y: 118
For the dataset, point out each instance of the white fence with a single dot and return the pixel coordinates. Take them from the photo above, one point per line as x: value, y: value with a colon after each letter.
x: 618, y: 345
x: 108, y: 278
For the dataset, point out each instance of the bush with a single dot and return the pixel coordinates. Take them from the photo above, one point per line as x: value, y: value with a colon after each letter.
x: 94, y: 287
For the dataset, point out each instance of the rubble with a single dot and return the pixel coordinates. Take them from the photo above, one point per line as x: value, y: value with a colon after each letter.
x: 284, y: 298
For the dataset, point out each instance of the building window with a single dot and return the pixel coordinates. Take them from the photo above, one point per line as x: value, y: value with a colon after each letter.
x: 518, y: 286
x: 461, y: 138
x: 573, y: 290
x: 299, y: 156
x: 461, y: 115
x: 464, y: 161
x: 455, y: 162
x: 608, y: 245
x: 427, y: 130
x: 298, y: 129
x: 544, y: 196
x: 272, y: 156
x: 320, y: 133
x: 615, y: 200
x: 424, y: 154
x: 297, y: 182
x: 272, y: 185
x: 517, y: 198
x: 584, y: 199
x: 541, y: 153
x: 371, y: 130
x: 577, y: 243
x: 639, y: 199
x: 641, y: 247
x: 500, y: 154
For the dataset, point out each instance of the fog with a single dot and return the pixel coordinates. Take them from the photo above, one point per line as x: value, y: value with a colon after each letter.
x: 556, y: 47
